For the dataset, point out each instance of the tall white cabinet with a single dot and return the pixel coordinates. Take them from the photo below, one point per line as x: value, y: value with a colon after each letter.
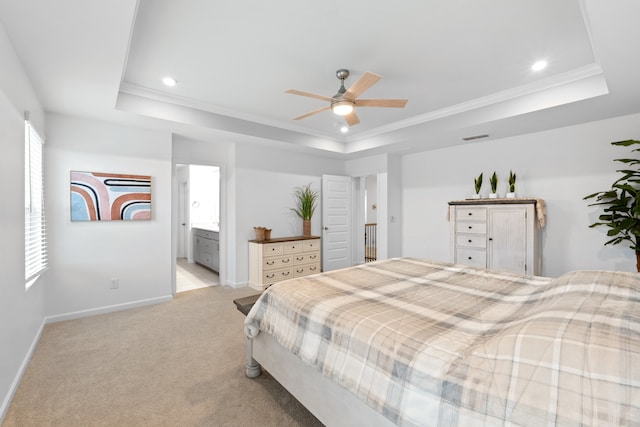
x: 498, y: 234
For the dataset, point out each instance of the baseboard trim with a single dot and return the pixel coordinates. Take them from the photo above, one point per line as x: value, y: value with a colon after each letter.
x: 106, y: 309
x: 23, y: 368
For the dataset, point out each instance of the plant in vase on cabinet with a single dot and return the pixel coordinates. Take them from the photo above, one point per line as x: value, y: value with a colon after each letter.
x: 306, y: 199
x: 512, y: 185
x: 494, y: 186
x: 477, y: 183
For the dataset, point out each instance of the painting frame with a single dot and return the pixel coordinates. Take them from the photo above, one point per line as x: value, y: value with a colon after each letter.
x: 99, y: 196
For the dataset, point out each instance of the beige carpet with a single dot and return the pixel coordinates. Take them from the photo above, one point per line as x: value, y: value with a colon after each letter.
x: 174, y: 364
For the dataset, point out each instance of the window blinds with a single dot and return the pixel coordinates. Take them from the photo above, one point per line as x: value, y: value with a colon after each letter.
x: 35, y: 240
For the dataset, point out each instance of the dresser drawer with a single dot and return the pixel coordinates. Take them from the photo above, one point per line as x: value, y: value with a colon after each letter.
x: 273, y: 276
x: 292, y: 247
x: 471, y: 214
x: 472, y: 257
x: 471, y: 227
x: 272, y: 263
x: 273, y: 249
x: 311, y: 245
x: 305, y: 270
x: 471, y: 240
x: 305, y: 258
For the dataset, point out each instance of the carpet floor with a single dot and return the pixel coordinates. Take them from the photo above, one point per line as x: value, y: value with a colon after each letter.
x: 179, y: 363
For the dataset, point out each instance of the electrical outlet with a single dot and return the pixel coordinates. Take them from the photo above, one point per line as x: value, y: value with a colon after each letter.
x: 115, y: 283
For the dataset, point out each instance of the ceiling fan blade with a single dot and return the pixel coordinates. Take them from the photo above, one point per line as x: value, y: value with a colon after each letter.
x: 365, y: 81
x: 309, y: 95
x: 386, y: 103
x: 352, y: 118
x: 311, y: 113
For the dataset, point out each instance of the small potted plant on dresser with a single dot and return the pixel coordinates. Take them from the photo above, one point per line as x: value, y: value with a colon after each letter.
x: 306, y: 199
x: 512, y: 186
x: 477, y: 183
x: 494, y: 186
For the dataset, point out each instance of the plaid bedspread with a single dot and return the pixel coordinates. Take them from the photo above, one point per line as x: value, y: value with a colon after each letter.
x: 434, y: 344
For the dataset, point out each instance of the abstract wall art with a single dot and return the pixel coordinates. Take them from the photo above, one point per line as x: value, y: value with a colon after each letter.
x: 110, y: 196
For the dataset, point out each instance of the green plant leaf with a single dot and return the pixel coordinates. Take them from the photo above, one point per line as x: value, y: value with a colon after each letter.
x: 621, y: 203
x: 306, y: 199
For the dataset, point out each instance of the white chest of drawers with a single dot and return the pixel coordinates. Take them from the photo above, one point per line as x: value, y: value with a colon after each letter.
x: 496, y: 234
x: 275, y: 260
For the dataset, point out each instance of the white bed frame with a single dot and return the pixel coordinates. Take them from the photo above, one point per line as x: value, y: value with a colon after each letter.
x: 332, y: 404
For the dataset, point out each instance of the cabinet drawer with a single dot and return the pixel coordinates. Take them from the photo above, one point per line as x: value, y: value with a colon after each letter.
x: 310, y: 245
x: 206, y: 233
x: 471, y: 214
x: 205, y: 245
x: 472, y: 257
x: 305, y: 270
x: 272, y: 263
x: 273, y: 276
x: 305, y: 258
x: 272, y: 249
x: 471, y: 227
x: 471, y: 240
x: 292, y: 247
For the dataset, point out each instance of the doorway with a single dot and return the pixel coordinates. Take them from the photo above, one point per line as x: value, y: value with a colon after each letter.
x: 371, y: 218
x: 198, y: 226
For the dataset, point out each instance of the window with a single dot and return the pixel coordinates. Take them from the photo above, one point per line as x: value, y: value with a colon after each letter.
x: 35, y: 241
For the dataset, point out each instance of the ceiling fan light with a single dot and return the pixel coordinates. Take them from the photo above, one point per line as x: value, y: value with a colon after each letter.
x: 342, y: 108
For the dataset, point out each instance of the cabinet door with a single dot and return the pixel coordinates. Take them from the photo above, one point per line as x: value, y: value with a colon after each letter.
x: 215, y: 258
x: 508, y: 239
x: 197, y: 253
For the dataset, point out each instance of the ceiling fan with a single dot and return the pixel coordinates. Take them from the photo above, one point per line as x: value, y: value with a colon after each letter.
x: 344, y: 102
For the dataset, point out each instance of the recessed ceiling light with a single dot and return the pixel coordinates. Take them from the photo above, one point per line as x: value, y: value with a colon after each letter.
x: 344, y: 129
x: 540, y: 65
x: 169, y: 81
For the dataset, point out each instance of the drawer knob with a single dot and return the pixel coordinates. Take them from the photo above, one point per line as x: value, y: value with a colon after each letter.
x: 470, y: 240
x: 470, y: 227
x: 469, y: 257
x: 470, y: 214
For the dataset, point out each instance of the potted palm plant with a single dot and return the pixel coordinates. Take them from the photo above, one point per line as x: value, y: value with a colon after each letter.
x: 512, y: 185
x: 477, y: 183
x: 494, y: 186
x: 306, y: 199
x: 621, y: 204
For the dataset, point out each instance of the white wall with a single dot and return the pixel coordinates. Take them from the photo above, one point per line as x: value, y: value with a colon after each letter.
x: 560, y: 166
x: 21, y: 311
x: 85, y: 256
x: 265, y: 182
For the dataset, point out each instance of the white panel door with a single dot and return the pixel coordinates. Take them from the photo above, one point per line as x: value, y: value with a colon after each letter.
x: 336, y: 222
x: 508, y: 239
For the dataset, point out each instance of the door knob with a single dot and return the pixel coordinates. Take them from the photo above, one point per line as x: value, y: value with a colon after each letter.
x: 326, y: 228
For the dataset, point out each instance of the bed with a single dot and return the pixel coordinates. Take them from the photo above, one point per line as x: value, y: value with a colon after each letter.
x: 411, y: 342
